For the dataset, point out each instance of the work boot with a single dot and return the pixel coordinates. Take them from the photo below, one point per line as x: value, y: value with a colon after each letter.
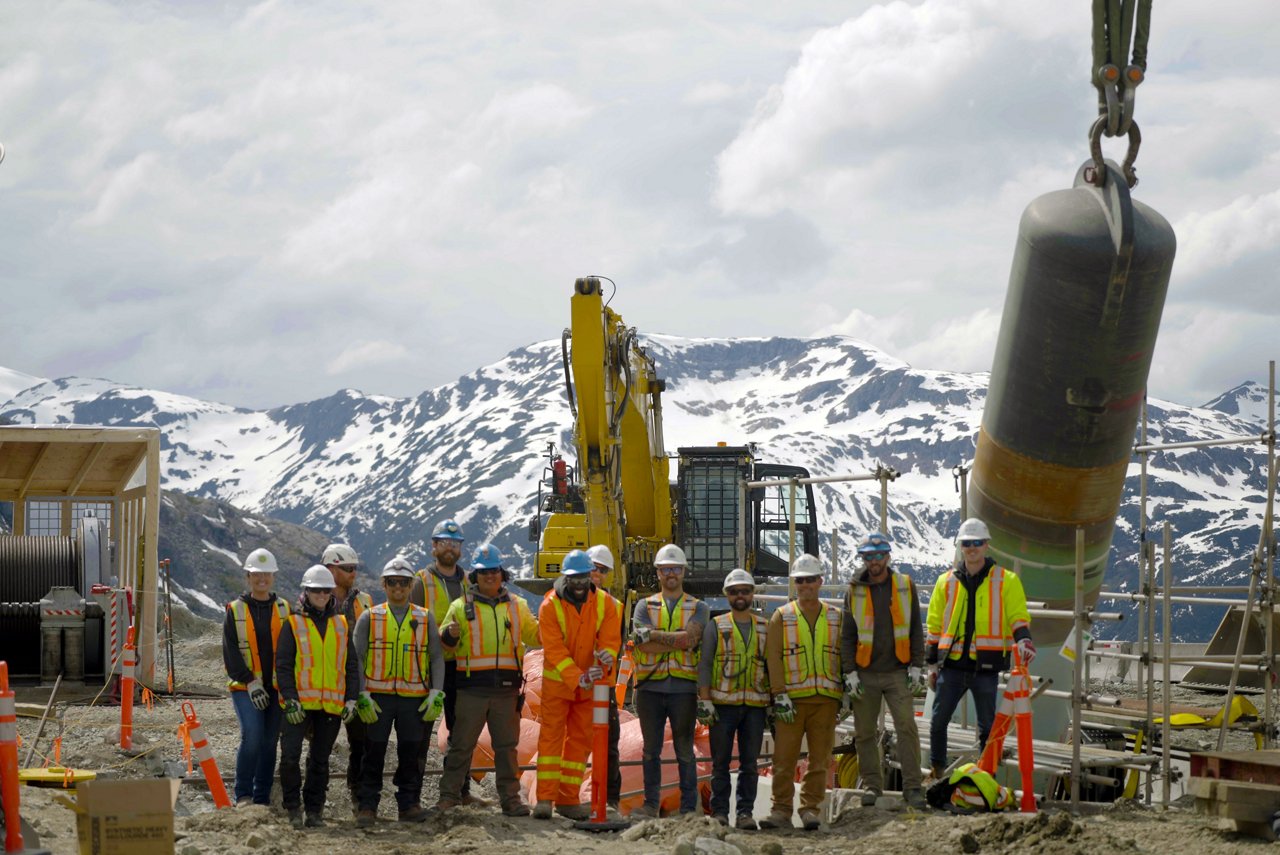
x: 413, y: 813
x: 777, y: 819
x: 870, y: 795
x: 745, y: 822
x: 542, y: 810
x: 646, y: 812
x: 366, y: 818
x: 314, y: 820
x: 720, y: 818
x: 613, y: 814
x: 244, y: 801
x: 516, y: 808
x: 468, y: 800
x: 915, y: 799
x: 446, y: 805
x: 809, y: 819
x: 295, y: 817
x: 936, y: 772
x: 576, y: 812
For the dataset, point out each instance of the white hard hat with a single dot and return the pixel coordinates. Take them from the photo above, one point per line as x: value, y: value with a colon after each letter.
x: 973, y: 529
x: 806, y: 565
x: 261, y: 561
x: 601, y: 554
x: 668, y: 555
x: 317, y: 576
x: 738, y: 577
x: 339, y: 553
x: 398, y: 566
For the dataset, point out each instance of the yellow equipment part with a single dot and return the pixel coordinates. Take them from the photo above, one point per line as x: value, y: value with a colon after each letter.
x: 847, y: 771
x: 1241, y: 707
x: 55, y: 776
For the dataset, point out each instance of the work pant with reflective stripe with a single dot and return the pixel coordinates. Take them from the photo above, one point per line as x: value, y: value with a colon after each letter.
x: 816, y: 722
x: 450, y: 719
x: 564, y: 742
x: 891, y: 686
x: 324, y: 729
x: 402, y: 714
x: 476, y: 708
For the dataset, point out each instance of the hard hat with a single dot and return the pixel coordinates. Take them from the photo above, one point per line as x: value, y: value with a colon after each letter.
x: 670, y: 554
x: 398, y: 566
x: 806, y: 565
x: 973, y: 529
x: 601, y: 554
x: 874, y: 542
x: 576, y: 563
x: 261, y: 561
x: 317, y: 576
x: 339, y: 553
x: 487, y: 557
x: 448, y: 530
x: 738, y: 577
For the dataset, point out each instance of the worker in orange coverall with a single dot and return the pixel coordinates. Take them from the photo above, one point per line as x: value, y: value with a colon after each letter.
x: 580, y: 628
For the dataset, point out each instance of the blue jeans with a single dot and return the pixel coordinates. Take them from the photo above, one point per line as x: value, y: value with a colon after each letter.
x: 952, y: 684
x: 654, y: 709
x: 256, y: 756
x: 747, y: 725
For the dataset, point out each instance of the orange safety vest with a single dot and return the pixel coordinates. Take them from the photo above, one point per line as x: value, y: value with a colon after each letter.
x: 247, y: 636
x: 435, y: 598
x: 680, y: 664
x: 899, y: 610
x: 360, y: 604
x: 399, y: 660
x: 320, y: 667
x: 811, y: 660
x: 740, y: 672
x: 569, y: 646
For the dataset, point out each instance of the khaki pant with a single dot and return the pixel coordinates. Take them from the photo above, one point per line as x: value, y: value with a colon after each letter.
x: 892, y: 687
x: 816, y: 722
x: 475, y: 709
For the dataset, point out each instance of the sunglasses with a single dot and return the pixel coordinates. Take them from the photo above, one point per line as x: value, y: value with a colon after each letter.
x: 319, y: 590
x: 874, y: 556
x: 397, y: 582
x: 806, y: 580
x: 969, y: 544
x: 488, y: 569
x: 739, y: 592
x: 670, y: 571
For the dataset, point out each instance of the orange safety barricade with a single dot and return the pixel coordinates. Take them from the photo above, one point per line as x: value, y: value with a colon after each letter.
x: 1015, y: 709
x: 200, y: 748
x: 126, y: 692
x: 9, y: 764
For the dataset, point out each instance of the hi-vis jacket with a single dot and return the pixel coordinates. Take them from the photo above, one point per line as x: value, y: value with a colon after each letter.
x: 901, y: 600
x: 807, y: 661
x: 320, y: 664
x: 571, y: 635
x: 399, y: 659
x: 739, y: 672
x: 1000, y: 618
x: 435, y: 596
x: 680, y: 664
x: 493, y: 635
x: 246, y: 636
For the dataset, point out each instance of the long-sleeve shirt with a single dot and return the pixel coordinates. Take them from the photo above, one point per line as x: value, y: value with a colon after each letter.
x: 435, y: 652
x: 883, y: 655
x: 287, y: 655
x: 570, y: 651
x: 498, y: 679
x: 711, y: 646
x: 237, y: 669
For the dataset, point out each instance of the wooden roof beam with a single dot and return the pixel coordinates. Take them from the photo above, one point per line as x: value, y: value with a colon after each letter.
x: 31, y: 473
x: 91, y: 458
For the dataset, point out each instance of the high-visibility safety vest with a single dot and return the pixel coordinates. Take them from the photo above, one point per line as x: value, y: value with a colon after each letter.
x: 1000, y: 610
x: 247, y: 636
x: 436, y: 599
x: 978, y: 790
x: 359, y: 604
x: 739, y: 672
x: 399, y: 660
x: 900, y: 602
x: 320, y: 667
x: 811, y: 660
x: 569, y: 646
x: 680, y: 664
x: 495, y: 636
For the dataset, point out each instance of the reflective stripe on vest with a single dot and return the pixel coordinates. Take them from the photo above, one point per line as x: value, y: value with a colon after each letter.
x: 553, y: 671
x: 899, y: 611
x: 321, y: 663
x: 988, y: 622
x: 811, y: 661
x: 247, y: 636
x: 495, y: 643
x: 680, y: 664
x: 399, y: 661
x: 435, y: 599
x: 976, y: 789
x: 739, y: 670
x: 360, y: 604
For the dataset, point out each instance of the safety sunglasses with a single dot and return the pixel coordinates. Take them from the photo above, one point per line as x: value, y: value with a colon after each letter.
x: 806, y: 580
x: 969, y: 544
x: 875, y: 556
x: 319, y: 590
x: 670, y: 571
x: 397, y: 582
x: 488, y: 569
x: 739, y: 592
x: 444, y: 541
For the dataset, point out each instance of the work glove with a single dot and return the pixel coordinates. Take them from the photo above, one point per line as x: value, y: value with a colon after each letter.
x: 367, y: 708
x: 348, y: 712
x: 432, y: 706
x: 915, y: 679
x: 853, y: 685
x: 784, y: 710
x: 258, y: 696
x: 707, y: 712
x: 642, y: 633
x: 933, y: 677
x: 1028, y: 651
x: 590, y: 677
x: 293, y: 712
x: 605, y: 658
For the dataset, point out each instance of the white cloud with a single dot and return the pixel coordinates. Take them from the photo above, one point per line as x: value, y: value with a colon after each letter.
x: 365, y: 355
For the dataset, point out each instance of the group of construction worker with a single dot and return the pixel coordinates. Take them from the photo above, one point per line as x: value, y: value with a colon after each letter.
x: 452, y: 643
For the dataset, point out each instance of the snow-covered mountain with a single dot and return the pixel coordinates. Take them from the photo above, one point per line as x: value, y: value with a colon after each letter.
x: 379, y: 471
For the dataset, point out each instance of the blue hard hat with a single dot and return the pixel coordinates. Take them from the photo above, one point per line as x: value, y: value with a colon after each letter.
x: 487, y: 557
x: 448, y: 530
x: 874, y: 542
x: 576, y: 563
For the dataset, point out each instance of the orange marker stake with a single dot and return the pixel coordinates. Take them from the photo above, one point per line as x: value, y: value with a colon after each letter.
x: 9, y: 764
x: 126, y: 692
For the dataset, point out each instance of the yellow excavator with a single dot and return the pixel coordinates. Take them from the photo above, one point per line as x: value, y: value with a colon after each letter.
x: 620, y: 494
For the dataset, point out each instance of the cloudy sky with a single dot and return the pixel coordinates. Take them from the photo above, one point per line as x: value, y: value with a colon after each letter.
x: 260, y: 203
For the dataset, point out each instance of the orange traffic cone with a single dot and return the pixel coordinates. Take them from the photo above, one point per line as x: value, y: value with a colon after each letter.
x: 1015, y: 706
x: 200, y: 748
x: 127, y: 664
x: 9, y: 763
x: 626, y: 668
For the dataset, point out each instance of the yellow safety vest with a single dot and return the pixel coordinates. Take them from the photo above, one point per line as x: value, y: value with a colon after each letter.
x: 435, y: 598
x: 740, y: 672
x: 680, y: 664
x: 320, y: 667
x: 494, y: 636
x: 899, y: 610
x: 1000, y: 610
x: 978, y: 790
x: 811, y: 661
x: 247, y: 637
x: 399, y: 660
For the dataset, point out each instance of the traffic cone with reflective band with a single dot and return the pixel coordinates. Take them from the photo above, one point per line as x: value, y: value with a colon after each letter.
x: 626, y: 667
x: 200, y: 749
x: 1015, y: 707
x: 128, y: 661
x: 599, y: 820
x: 9, y: 764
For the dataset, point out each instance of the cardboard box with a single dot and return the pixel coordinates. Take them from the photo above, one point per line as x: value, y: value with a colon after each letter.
x: 126, y: 817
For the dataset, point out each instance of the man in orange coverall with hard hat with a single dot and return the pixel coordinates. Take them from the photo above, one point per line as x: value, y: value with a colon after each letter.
x: 580, y: 628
